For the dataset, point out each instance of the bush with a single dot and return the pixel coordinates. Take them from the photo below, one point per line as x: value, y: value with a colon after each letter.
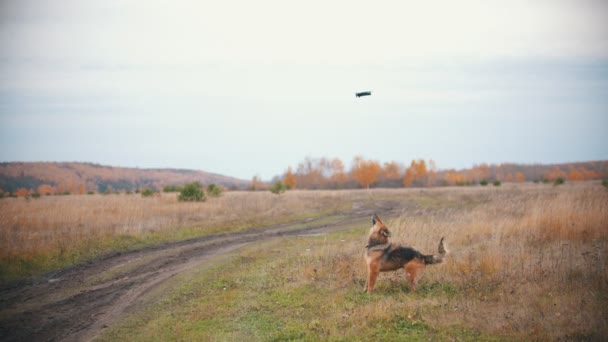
x: 278, y: 188
x: 147, y: 192
x: 559, y: 181
x: 214, y: 190
x: 172, y: 188
x: 497, y: 183
x: 483, y: 182
x: 192, y: 192
x: 35, y: 195
x: 605, y: 182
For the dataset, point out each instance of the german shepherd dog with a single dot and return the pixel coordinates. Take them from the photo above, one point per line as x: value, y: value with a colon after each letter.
x: 382, y: 256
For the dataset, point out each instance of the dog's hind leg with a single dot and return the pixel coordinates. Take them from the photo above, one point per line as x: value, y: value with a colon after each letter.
x: 412, y: 270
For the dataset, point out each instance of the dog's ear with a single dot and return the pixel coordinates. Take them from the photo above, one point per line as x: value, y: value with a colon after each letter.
x: 376, y: 220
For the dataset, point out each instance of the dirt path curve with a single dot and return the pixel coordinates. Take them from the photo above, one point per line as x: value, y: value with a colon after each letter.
x: 77, y: 303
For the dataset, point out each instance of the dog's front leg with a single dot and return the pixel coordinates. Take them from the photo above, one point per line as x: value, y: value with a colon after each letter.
x: 372, y: 274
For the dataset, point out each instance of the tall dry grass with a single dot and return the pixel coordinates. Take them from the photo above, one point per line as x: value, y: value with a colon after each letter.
x: 72, y: 228
x: 526, y: 261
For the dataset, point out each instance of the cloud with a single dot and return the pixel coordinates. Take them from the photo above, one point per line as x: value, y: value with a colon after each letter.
x: 315, y: 32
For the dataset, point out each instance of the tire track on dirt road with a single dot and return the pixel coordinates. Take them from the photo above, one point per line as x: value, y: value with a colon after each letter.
x: 76, y: 304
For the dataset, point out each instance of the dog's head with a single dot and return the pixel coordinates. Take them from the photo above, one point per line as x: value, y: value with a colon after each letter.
x: 378, y: 234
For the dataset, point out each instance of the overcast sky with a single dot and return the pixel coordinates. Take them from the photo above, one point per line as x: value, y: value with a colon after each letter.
x: 246, y: 88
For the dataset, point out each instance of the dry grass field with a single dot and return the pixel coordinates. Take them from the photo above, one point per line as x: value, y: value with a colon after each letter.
x: 526, y: 262
x: 39, y: 235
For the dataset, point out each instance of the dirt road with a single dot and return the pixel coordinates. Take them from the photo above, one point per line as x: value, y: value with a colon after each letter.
x: 77, y: 303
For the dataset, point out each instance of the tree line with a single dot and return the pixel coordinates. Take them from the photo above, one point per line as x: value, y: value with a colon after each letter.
x: 331, y: 173
x: 317, y: 173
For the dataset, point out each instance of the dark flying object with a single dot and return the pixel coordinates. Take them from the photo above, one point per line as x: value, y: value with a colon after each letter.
x: 363, y: 93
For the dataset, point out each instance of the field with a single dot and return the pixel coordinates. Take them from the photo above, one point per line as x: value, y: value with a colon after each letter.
x: 41, y: 235
x: 526, y: 262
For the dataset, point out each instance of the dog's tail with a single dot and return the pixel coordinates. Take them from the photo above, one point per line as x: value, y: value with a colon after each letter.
x: 436, y: 259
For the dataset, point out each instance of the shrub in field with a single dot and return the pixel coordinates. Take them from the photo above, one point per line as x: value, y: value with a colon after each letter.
x: 496, y: 183
x: 483, y: 182
x: 278, y: 188
x: 192, y: 192
x: 172, y: 188
x: 214, y: 190
x: 559, y: 181
x: 605, y: 182
x: 147, y: 193
x: 464, y: 183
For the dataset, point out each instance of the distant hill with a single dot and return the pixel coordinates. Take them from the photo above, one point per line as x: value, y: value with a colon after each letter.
x: 84, y: 177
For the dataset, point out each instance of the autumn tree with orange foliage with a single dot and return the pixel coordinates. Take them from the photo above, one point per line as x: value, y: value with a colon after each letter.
x: 391, y: 170
x: 321, y: 173
x: 479, y: 173
x: 390, y: 175
x: 453, y: 177
x: 289, y: 179
x: 21, y: 192
x: 310, y: 173
x: 520, y: 178
x: 416, y: 174
x: 338, y: 177
x: 365, y: 171
x: 582, y: 174
x: 46, y: 189
x: 574, y: 175
x: 555, y: 174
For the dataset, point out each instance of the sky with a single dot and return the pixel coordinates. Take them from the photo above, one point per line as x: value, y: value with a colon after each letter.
x: 246, y: 88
